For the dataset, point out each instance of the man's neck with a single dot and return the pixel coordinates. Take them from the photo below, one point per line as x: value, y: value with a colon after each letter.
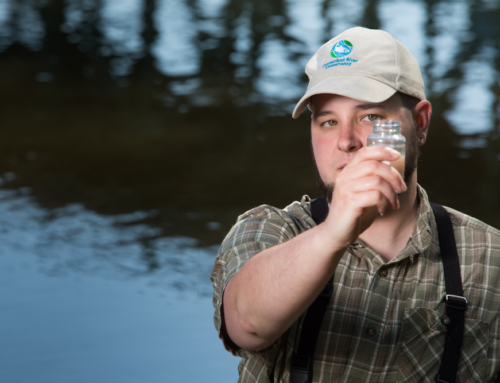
x: 389, y: 234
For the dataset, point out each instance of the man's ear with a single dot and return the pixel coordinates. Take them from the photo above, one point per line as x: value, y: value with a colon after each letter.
x: 422, y: 114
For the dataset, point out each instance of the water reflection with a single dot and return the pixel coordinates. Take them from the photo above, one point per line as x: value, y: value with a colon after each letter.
x: 181, y: 108
x: 134, y: 132
x: 245, y: 52
x: 176, y: 50
x: 472, y: 112
x: 84, y: 301
x: 72, y: 239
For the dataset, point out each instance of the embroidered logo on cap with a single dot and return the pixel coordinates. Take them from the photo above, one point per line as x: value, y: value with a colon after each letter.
x: 341, y: 49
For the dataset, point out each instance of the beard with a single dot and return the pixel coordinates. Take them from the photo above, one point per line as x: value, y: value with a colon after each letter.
x: 411, y: 159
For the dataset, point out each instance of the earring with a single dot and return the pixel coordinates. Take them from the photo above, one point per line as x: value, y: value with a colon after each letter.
x: 421, y: 139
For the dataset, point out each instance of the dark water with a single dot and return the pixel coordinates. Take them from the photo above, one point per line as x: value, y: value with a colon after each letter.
x: 132, y: 134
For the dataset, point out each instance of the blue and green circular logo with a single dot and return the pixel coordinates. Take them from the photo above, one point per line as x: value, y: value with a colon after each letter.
x: 341, y: 49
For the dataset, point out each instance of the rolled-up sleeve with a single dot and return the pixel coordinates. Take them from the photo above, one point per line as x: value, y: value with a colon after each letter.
x: 255, y: 231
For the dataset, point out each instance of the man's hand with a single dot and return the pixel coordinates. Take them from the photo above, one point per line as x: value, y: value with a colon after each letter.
x: 365, y: 188
x: 276, y: 286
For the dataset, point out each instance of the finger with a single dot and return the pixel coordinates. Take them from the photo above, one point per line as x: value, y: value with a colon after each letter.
x: 377, y: 153
x: 369, y: 192
x: 366, y: 201
x: 382, y: 206
x: 373, y: 168
x: 375, y: 183
x: 375, y: 198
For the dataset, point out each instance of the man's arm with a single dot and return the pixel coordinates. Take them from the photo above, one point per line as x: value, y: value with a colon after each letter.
x: 270, y: 292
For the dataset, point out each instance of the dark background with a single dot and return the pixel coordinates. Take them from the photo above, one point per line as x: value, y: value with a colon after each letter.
x: 80, y: 126
x: 134, y: 132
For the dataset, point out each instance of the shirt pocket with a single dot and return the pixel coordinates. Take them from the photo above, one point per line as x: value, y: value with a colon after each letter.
x: 423, y: 345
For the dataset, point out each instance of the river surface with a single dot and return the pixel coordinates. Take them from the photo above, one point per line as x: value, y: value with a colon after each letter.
x: 134, y: 132
x: 79, y: 305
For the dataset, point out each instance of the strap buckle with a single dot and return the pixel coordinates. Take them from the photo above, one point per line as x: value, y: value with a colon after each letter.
x: 456, y: 302
x: 302, y: 362
x: 302, y: 368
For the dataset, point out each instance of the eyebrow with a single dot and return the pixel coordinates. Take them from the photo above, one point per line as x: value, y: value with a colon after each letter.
x: 358, y: 107
x: 323, y: 113
x: 369, y: 106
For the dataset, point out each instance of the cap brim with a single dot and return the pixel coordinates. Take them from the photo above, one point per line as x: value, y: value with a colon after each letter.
x: 357, y: 87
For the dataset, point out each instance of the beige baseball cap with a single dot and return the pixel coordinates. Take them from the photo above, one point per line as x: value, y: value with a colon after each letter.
x: 365, y: 64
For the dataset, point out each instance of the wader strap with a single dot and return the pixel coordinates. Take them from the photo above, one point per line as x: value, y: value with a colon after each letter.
x: 456, y: 303
x: 319, y: 209
x: 302, y: 361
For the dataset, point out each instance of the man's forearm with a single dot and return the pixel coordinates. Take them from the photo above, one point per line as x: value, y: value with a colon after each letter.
x: 276, y: 286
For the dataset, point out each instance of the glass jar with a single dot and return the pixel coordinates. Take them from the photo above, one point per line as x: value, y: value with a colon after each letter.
x: 388, y: 133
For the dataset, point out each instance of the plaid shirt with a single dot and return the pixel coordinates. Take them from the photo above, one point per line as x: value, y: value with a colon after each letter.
x: 382, y: 323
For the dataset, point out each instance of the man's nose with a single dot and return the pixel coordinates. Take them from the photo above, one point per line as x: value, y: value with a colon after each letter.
x: 349, y: 139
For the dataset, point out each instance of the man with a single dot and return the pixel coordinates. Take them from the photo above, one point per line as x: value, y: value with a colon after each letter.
x: 385, y: 321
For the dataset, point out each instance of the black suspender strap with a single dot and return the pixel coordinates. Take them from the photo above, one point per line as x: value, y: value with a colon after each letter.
x: 456, y: 303
x: 319, y: 209
x: 302, y: 361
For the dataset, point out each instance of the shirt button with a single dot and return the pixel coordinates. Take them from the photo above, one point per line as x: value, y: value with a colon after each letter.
x: 371, y: 331
x: 384, y: 273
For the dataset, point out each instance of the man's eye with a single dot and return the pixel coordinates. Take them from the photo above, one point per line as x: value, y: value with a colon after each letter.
x: 330, y: 123
x: 372, y: 117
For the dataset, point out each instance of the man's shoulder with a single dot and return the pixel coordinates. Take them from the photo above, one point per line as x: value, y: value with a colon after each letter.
x: 269, y: 225
x: 464, y: 220
x: 297, y: 210
x: 473, y: 229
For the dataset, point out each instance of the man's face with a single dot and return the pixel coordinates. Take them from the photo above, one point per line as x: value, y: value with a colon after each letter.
x: 340, y: 127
